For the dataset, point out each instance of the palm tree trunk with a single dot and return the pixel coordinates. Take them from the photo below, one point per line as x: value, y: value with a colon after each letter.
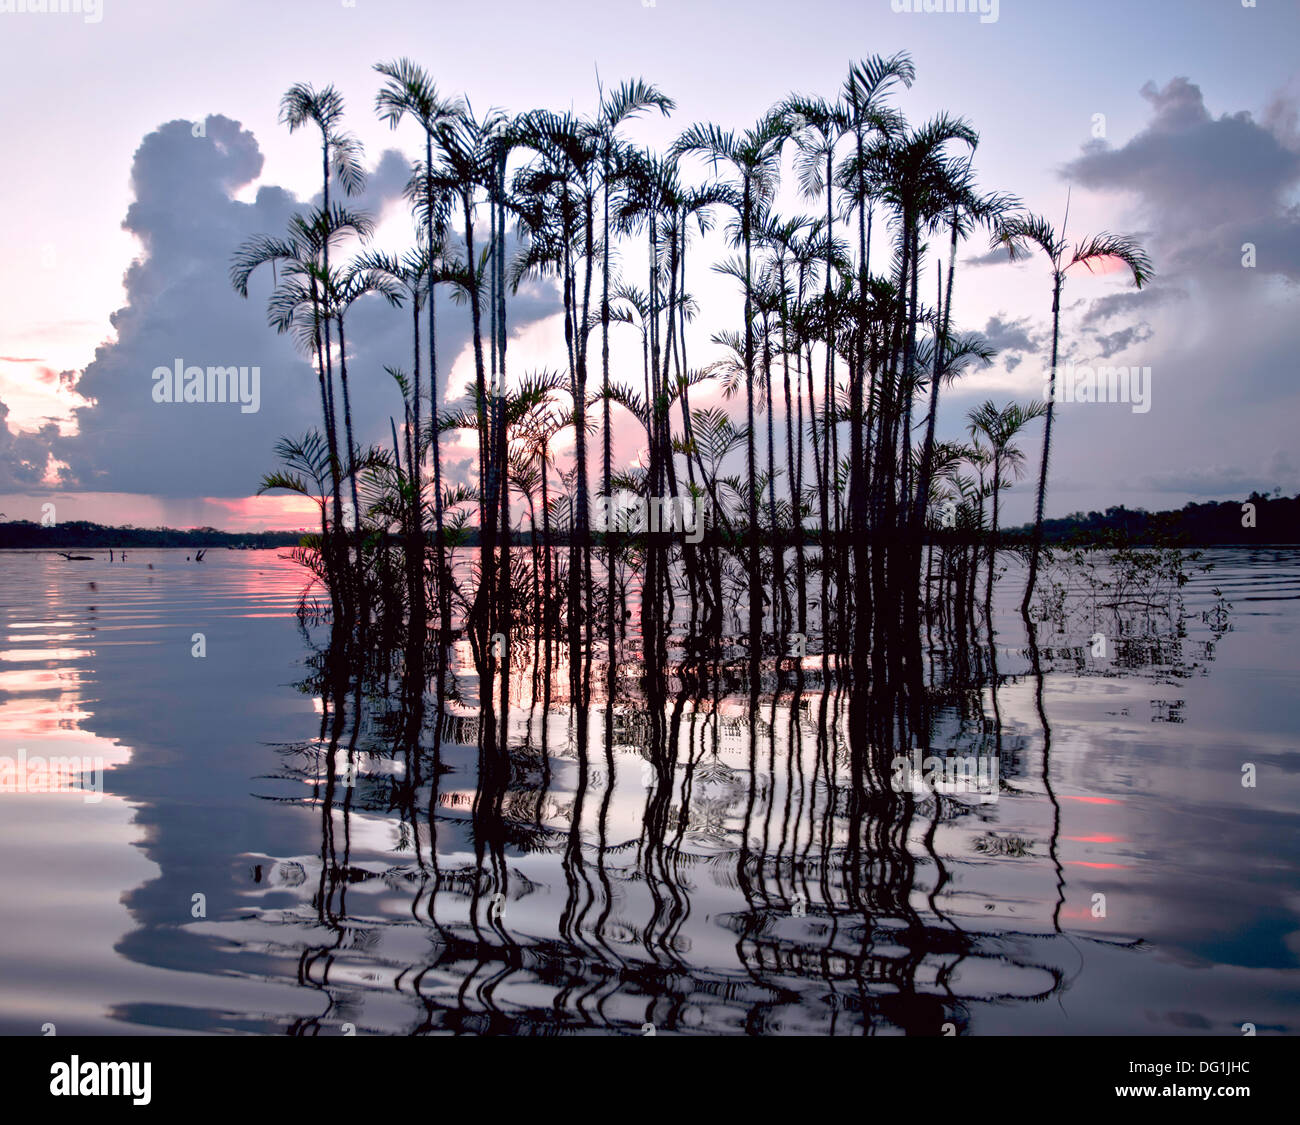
x: 502, y: 454
x: 487, y: 513
x: 927, y: 453
x: 755, y: 583
x: 1047, y: 450
x: 415, y: 530
x: 607, y: 446
x: 780, y: 599
x: 440, y: 556
x: 796, y: 526
x: 993, y: 541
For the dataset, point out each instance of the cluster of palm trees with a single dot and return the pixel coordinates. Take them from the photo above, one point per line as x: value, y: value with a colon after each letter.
x: 820, y: 532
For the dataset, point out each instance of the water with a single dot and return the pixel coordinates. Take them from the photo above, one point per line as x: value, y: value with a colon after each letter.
x: 724, y: 896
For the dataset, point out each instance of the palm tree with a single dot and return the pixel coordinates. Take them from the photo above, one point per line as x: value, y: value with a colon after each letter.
x: 968, y: 208
x: 817, y: 127
x: 411, y: 278
x: 341, y: 155
x: 768, y: 300
x: 300, y: 304
x: 1017, y: 235
x: 918, y: 179
x: 464, y: 147
x: 307, y: 462
x: 558, y: 195
x: 343, y: 287
x: 781, y: 273
x: 624, y: 102
x: 754, y: 159
x: 410, y: 92
x: 999, y: 429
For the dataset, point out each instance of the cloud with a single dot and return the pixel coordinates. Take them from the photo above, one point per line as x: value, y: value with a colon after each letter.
x: 1113, y: 343
x: 180, y: 306
x: 1010, y: 335
x: 1280, y: 471
x: 1209, y: 185
x: 1128, y: 301
x: 24, y: 458
x: 994, y: 257
x: 1220, y: 339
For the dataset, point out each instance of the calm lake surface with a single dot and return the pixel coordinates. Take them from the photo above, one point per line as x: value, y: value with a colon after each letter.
x: 1117, y: 876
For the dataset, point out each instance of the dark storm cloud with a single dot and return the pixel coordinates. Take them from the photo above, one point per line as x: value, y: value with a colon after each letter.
x: 180, y: 305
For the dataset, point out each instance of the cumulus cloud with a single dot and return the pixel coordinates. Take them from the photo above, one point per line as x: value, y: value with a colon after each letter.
x: 1013, y: 340
x: 180, y: 305
x: 995, y: 256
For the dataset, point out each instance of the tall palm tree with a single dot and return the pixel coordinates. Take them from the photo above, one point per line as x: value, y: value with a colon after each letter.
x: 968, y: 209
x: 1018, y: 234
x: 620, y: 104
x: 918, y: 179
x: 783, y: 272
x: 343, y: 287
x: 341, y: 154
x: 410, y: 92
x: 754, y: 161
x: 463, y: 144
x: 560, y: 191
x: 409, y: 278
x: 300, y: 304
x: 817, y: 127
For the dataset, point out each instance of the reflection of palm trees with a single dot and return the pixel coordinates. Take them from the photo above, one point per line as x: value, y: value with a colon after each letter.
x: 1031, y: 630
x: 830, y: 883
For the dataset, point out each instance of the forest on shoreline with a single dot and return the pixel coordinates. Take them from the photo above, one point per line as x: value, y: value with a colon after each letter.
x: 1214, y: 523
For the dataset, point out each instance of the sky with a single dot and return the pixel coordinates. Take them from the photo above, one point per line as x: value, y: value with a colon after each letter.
x: 144, y: 148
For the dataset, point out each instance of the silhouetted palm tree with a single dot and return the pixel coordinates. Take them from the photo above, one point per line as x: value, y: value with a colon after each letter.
x: 999, y: 429
x: 753, y: 159
x: 1018, y: 234
x: 409, y: 91
x: 341, y: 155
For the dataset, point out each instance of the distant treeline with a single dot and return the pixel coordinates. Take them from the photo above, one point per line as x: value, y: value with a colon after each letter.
x: 1214, y: 523
x: 82, y: 535
x: 1275, y: 520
